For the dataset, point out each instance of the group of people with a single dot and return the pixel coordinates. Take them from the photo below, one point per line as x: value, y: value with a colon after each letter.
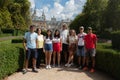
x: 64, y: 41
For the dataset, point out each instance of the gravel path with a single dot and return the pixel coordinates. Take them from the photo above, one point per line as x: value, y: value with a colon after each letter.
x: 9, y: 37
x: 60, y: 74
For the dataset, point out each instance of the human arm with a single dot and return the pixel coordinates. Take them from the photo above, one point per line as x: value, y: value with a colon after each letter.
x: 24, y: 44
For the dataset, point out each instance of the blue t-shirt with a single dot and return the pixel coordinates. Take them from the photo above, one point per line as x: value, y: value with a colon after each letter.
x: 31, y: 39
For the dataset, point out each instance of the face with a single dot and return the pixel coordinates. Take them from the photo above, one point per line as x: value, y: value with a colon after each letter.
x: 39, y: 31
x: 49, y: 32
x: 81, y: 30
x: 57, y: 32
x: 72, y: 32
x: 64, y: 27
x: 32, y: 29
x: 89, y: 30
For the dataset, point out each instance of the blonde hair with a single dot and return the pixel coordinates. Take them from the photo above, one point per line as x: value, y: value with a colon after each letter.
x: 65, y: 25
x: 72, y: 31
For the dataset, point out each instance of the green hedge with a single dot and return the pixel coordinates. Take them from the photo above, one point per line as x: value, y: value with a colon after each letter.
x: 116, y: 40
x: 108, y: 60
x: 11, y: 58
x: 7, y: 30
x: 17, y: 40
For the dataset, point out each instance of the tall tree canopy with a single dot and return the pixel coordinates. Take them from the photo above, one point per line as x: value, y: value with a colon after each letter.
x: 14, y: 14
x: 112, y: 15
x: 91, y: 14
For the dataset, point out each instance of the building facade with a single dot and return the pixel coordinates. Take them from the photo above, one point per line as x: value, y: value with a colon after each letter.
x: 41, y: 22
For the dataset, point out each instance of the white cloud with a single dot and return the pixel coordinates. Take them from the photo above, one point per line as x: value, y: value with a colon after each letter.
x: 69, y: 10
x: 32, y: 3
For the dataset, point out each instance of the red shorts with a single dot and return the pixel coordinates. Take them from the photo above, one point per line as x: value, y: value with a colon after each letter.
x: 56, y: 47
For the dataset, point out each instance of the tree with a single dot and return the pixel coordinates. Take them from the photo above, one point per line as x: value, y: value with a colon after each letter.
x: 91, y: 14
x: 14, y: 14
x: 111, y: 15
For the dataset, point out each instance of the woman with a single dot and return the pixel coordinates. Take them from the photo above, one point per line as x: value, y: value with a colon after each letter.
x: 72, y: 40
x: 57, y: 47
x: 48, y: 48
x: 40, y: 45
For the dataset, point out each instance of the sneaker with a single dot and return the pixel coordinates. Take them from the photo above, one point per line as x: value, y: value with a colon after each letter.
x: 72, y: 64
x: 68, y: 65
x: 85, y: 68
x: 53, y: 65
x: 49, y: 66
x: 24, y: 71
x: 35, y: 70
x: 80, y: 67
x: 58, y: 66
x: 92, y: 70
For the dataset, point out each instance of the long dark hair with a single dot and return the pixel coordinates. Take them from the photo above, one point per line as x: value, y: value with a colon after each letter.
x: 38, y: 29
x: 50, y: 34
x: 58, y: 35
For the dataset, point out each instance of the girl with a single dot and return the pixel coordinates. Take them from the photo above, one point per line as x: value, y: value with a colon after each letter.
x: 57, y: 43
x: 40, y: 45
x: 72, y: 40
x: 48, y: 48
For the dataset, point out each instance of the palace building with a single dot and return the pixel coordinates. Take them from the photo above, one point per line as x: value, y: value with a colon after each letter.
x: 41, y: 22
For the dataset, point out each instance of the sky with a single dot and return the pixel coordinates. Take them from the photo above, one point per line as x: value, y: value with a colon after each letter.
x: 60, y: 9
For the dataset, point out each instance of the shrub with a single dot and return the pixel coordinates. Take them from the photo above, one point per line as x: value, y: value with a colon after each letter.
x: 108, y: 60
x: 8, y: 31
x: 116, y: 40
x: 11, y: 58
x: 17, y: 40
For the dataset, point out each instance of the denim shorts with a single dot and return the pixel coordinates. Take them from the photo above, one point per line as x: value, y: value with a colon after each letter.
x: 91, y: 52
x: 48, y: 47
x: 31, y: 53
x: 81, y: 51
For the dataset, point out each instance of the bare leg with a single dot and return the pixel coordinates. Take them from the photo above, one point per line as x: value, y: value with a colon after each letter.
x: 93, y: 62
x: 58, y: 56
x: 79, y: 60
x: 34, y: 63
x: 54, y: 57
x: 87, y: 61
x: 83, y: 61
x: 49, y: 57
x: 46, y: 57
x: 70, y: 57
x: 26, y: 64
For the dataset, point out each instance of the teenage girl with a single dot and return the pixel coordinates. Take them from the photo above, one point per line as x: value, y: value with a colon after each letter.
x: 48, y: 48
x: 57, y: 47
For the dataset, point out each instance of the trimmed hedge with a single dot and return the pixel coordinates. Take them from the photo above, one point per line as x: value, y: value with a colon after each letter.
x: 11, y: 58
x: 108, y: 60
x: 8, y: 30
x: 17, y: 40
x: 116, y: 40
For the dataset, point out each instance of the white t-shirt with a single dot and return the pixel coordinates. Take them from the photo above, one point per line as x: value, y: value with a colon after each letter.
x: 56, y: 40
x: 81, y: 39
x: 64, y: 35
x: 72, y: 39
x: 48, y: 40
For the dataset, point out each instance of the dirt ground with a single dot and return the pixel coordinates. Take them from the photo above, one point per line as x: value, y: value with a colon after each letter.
x: 62, y: 73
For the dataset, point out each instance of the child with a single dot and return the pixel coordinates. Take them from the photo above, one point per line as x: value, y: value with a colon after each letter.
x: 48, y: 48
x: 40, y: 45
x: 72, y: 40
x: 57, y: 43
